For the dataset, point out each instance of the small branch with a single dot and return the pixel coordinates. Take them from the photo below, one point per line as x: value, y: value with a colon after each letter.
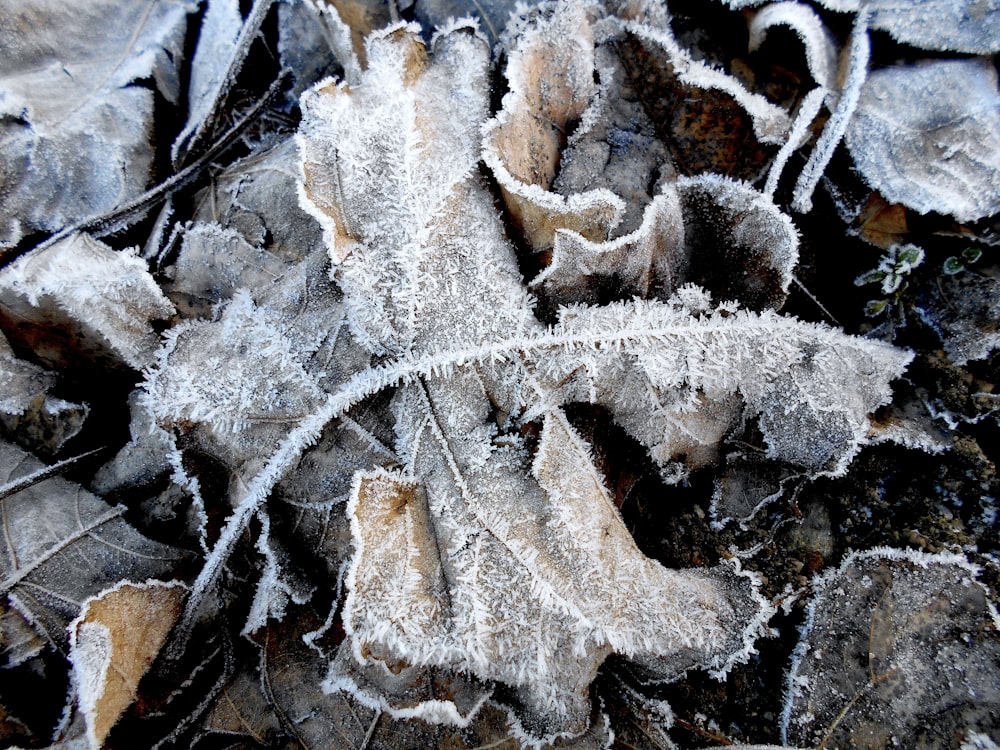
x: 23, y: 483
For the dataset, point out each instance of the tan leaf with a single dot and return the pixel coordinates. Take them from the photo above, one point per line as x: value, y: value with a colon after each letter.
x: 551, y: 78
x: 113, y: 642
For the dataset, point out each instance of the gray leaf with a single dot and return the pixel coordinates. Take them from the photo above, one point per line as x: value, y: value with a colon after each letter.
x: 928, y: 136
x: 900, y: 650
x: 75, y: 130
x: 62, y: 545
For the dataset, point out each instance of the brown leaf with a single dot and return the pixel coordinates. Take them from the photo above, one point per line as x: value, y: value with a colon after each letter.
x: 112, y: 644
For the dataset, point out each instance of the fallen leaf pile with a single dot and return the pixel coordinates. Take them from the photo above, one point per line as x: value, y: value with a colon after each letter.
x: 501, y: 379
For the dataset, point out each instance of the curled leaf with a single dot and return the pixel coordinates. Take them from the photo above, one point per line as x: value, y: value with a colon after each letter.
x: 550, y: 75
x: 101, y: 299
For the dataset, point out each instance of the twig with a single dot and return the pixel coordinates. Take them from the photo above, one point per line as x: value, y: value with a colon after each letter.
x: 248, y: 32
x: 23, y: 483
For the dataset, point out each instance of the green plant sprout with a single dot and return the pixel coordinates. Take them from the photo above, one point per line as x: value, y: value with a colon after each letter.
x: 891, y: 273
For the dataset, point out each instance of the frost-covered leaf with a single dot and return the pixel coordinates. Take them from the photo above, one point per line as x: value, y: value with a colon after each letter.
x: 258, y: 198
x: 438, y: 532
x: 76, y: 125
x: 101, y: 300
x: 465, y: 561
x: 821, y: 50
x: 900, y: 649
x: 64, y: 545
x: 112, y: 644
x: 236, y: 385
x: 37, y: 420
x: 287, y: 663
x: 645, y: 262
x: 359, y: 18
x: 550, y: 75
x: 506, y: 587
x: 214, y: 263
x: 670, y: 373
x: 740, y: 245
x: 242, y: 713
x: 218, y: 34
x: 964, y: 309
x: 770, y: 122
x: 971, y: 26
x: 493, y: 15
x: 928, y: 136
x: 314, y: 42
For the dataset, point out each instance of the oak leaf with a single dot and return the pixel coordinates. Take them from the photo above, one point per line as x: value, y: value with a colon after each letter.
x: 476, y: 555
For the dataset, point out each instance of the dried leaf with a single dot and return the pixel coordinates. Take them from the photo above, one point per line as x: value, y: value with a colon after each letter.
x: 313, y: 43
x: 113, y: 643
x: 101, y: 300
x: 210, y: 68
x: 35, y: 419
x: 463, y: 561
x: 257, y: 197
x: 964, y: 309
x: 259, y: 389
x: 670, y: 374
x: 946, y: 25
x: 740, y: 245
x: 927, y: 136
x: 287, y: 664
x: 645, y: 262
x: 770, y: 122
x: 493, y: 15
x: 76, y: 128
x: 820, y: 47
x: 550, y: 74
x: 214, y: 263
x: 900, y: 649
x: 62, y: 544
x: 242, y: 712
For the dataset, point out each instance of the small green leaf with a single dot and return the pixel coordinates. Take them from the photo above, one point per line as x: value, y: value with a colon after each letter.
x: 952, y: 266
x: 870, y: 277
x: 909, y: 257
x: 892, y: 282
x: 972, y: 255
x: 876, y: 307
